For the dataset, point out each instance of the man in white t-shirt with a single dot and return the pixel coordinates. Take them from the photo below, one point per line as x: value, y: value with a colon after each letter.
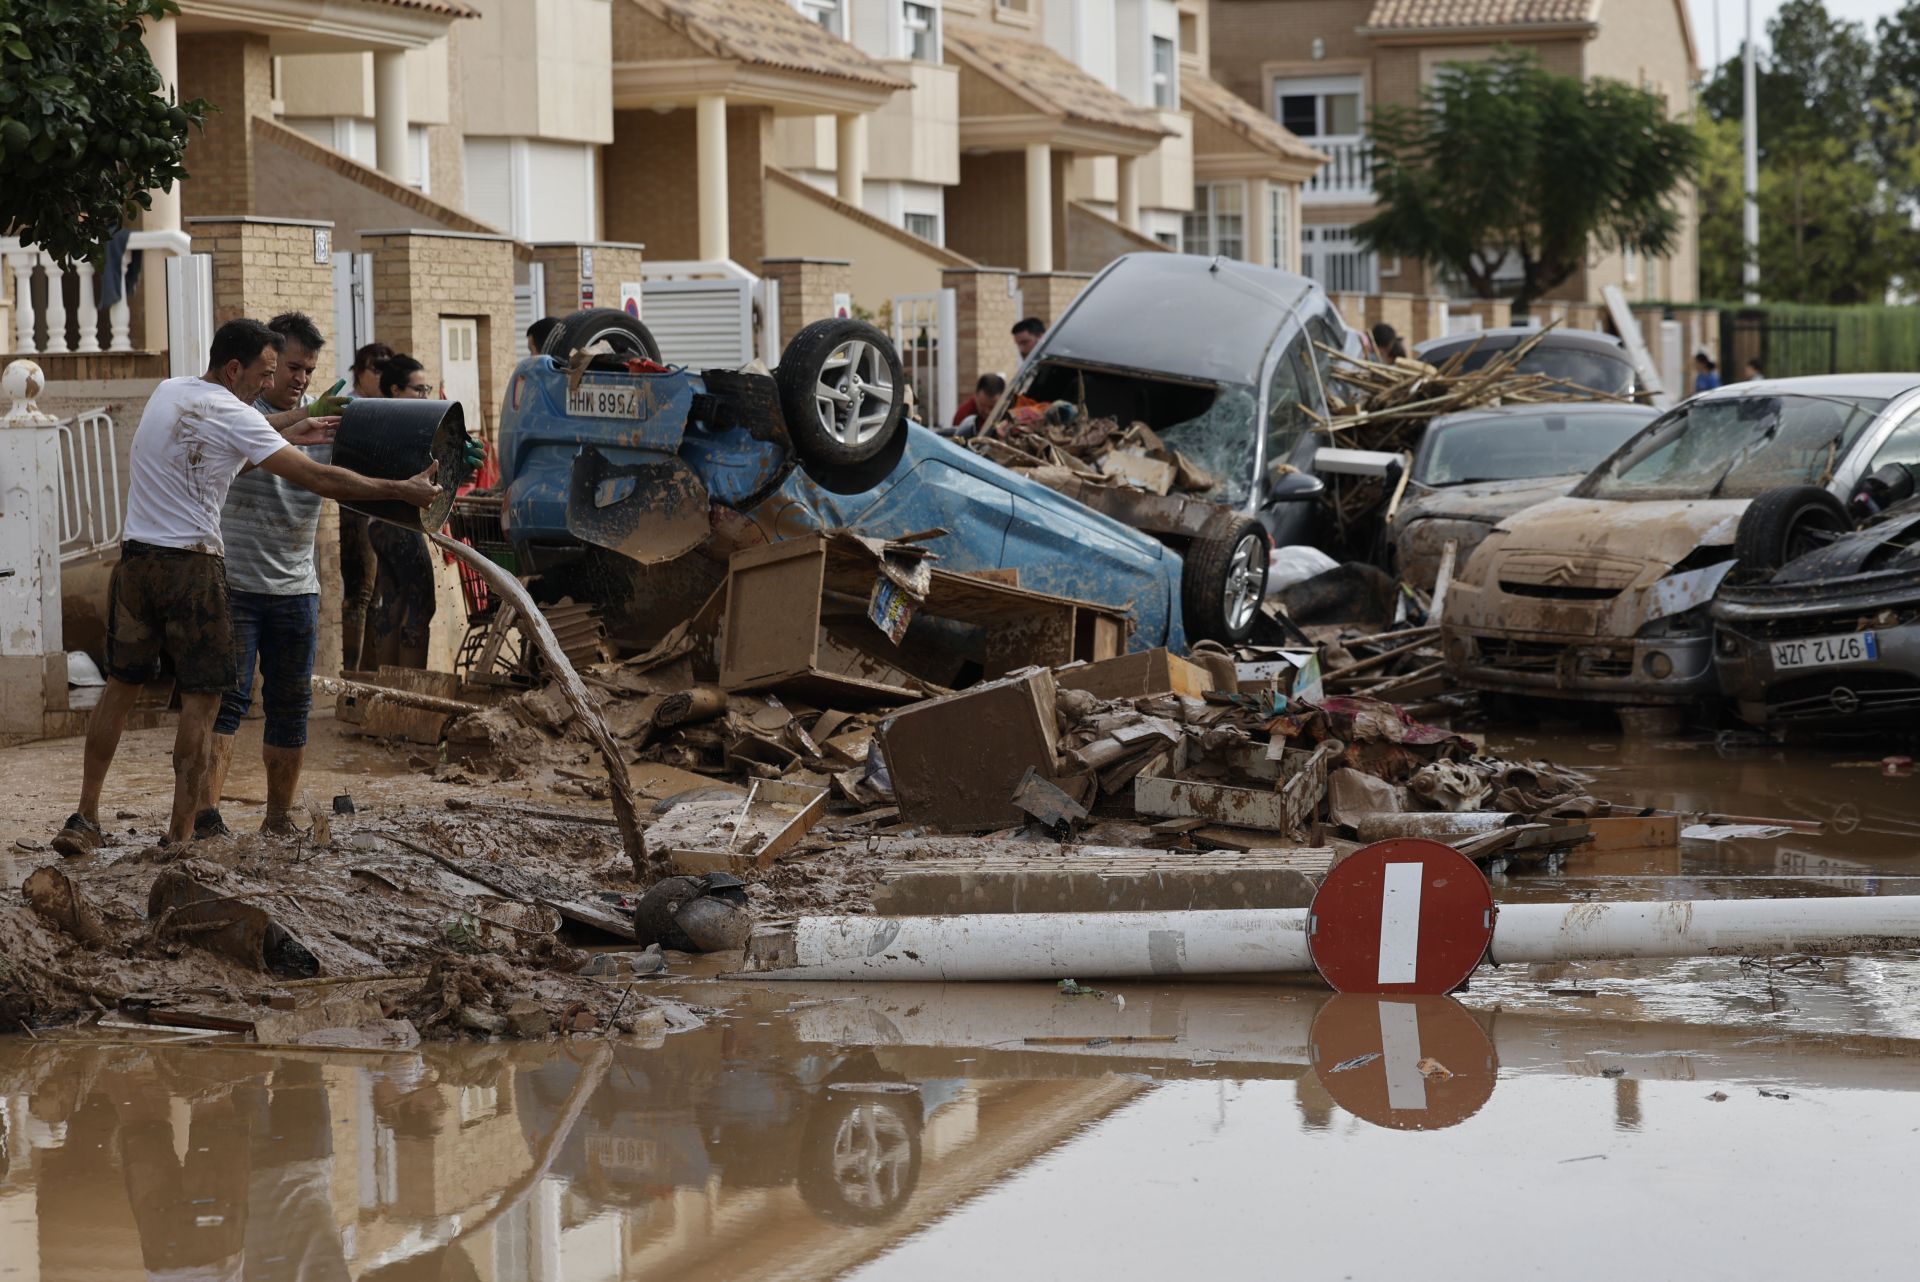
x: 168, y: 595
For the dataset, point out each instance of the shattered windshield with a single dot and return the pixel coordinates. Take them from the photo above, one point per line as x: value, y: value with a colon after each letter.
x: 1222, y: 440
x: 1516, y: 447
x: 1735, y: 448
x: 1595, y: 371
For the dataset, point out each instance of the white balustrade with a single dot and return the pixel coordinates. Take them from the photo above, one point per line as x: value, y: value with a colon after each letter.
x: 1347, y: 175
x: 80, y: 332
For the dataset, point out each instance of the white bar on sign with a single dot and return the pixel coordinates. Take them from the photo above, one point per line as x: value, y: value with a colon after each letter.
x: 1400, y: 923
x: 1400, y: 1048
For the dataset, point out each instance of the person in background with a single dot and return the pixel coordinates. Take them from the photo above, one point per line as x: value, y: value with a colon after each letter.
x: 1026, y: 335
x: 537, y: 334
x: 1387, y: 343
x: 400, y: 617
x: 357, y: 563
x: 986, y: 394
x: 167, y: 599
x: 273, y: 591
x: 364, y: 377
x: 1752, y: 372
x: 1706, y: 374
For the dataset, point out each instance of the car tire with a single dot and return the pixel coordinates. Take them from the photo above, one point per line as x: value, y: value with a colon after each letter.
x: 1783, y: 524
x: 621, y: 332
x: 1225, y: 579
x: 842, y: 392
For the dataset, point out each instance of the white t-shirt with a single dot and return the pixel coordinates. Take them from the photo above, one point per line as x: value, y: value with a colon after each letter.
x: 193, y: 439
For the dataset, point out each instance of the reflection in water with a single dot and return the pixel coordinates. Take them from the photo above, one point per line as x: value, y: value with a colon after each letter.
x: 810, y: 1131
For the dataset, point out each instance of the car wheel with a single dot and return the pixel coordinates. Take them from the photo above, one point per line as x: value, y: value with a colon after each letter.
x: 1225, y: 579
x: 1787, y: 523
x: 624, y: 335
x: 841, y: 391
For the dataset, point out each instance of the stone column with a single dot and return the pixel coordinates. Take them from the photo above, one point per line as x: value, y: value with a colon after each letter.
x: 807, y: 287
x: 983, y: 322
x: 1039, y: 207
x: 850, y: 155
x: 162, y: 41
x: 390, y: 115
x: 710, y: 128
x: 1127, y: 179
x: 1260, y: 223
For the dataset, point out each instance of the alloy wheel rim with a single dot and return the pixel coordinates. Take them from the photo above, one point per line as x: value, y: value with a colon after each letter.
x: 1246, y: 582
x: 854, y: 393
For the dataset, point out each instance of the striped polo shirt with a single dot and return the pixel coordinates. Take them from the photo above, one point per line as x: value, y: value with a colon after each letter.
x: 268, y: 526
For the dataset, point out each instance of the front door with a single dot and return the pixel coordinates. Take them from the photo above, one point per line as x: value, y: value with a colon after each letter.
x: 460, y: 368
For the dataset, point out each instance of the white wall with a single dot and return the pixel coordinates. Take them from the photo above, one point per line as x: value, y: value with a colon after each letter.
x: 893, y: 201
x: 531, y: 189
x: 1082, y: 32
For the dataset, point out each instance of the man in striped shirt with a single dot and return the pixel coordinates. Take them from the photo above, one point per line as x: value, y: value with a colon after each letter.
x: 268, y: 526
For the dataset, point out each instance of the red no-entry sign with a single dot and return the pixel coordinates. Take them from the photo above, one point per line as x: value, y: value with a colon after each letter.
x: 1401, y: 916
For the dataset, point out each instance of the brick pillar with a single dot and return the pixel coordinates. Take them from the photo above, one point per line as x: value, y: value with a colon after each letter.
x: 1048, y: 294
x: 984, y: 314
x: 235, y: 73
x: 1494, y: 313
x: 265, y: 266
x: 807, y: 289
x: 577, y: 270
x: 1428, y: 319
x: 1392, y: 309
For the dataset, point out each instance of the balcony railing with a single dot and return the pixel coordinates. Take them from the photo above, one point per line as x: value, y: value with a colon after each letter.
x: 80, y: 331
x: 1347, y: 177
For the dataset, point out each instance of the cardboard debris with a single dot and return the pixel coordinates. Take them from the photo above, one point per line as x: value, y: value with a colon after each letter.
x: 1137, y: 675
x: 724, y: 835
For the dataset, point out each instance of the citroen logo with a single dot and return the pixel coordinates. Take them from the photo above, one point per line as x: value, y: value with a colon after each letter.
x: 1845, y: 701
x: 1559, y: 574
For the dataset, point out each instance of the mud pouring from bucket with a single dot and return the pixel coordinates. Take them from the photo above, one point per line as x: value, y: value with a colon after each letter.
x: 397, y: 439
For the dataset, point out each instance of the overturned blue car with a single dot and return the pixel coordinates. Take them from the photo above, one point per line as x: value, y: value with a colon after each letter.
x: 629, y: 483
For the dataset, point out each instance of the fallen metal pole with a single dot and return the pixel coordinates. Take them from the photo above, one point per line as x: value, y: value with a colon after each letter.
x: 1014, y: 946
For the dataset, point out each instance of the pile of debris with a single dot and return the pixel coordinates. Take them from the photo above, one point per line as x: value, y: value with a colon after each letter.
x: 1062, y: 448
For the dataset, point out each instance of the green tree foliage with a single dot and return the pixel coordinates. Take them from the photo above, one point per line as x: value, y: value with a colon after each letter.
x: 84, y: 132
x: 1505, y: 166
x: 1839, y: 142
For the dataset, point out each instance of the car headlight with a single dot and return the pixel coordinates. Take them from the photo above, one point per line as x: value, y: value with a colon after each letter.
x: 1657, y: 665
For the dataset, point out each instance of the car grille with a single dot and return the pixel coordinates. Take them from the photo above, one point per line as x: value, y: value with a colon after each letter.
x: 1567, y: 578
x: 1818, y: 625
x: 1502, y: 655
x: 1848, y: 695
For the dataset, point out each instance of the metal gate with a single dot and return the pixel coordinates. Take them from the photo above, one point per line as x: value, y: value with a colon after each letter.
x: 352, y: 308
x: 1783, y: 348
x: 923, y: 325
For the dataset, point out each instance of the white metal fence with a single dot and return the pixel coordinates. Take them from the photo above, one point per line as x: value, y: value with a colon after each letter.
x: 923, y: 330
x: 91, y: 511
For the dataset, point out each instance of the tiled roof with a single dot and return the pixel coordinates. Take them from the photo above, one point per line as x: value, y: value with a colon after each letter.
x: 770, y: 33
x: 1222, y: 105
x: 1418, y: 15
x: 452, y: 8
x: 1053, y: 84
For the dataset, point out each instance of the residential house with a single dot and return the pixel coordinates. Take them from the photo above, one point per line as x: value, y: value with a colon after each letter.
x: 1322, y: 67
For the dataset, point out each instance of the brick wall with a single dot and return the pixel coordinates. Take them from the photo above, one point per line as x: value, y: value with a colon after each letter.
x: 612, y: 265
x: 1047, y: 294
x: 263, y: 267
x: 419, y: 277
x: 807, y: 287
x: 642, y: 206
x: 984, y: 313
x: 235, y: 74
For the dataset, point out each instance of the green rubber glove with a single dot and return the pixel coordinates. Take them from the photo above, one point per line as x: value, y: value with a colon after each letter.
x: 474, y: 453
x: 327, y: 405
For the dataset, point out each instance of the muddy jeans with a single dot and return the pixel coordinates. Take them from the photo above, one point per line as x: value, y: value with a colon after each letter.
x: 358, y: 566
x: 283, y: 634
x: 170, y: 603
x: 403, y: 601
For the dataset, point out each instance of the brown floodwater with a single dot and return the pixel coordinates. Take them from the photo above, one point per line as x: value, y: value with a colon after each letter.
x: 1700, y: 1119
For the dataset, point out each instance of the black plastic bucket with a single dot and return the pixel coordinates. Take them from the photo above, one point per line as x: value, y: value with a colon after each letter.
x: 394, y: 439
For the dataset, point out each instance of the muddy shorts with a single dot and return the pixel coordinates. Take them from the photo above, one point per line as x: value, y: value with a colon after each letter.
x: 170, y: 603
x: 403, y: 601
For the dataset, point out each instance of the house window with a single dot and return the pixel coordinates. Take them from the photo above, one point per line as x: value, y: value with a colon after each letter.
x: 1331, y: 255
x: 919, y: 32
x: 1016, y: 6
x: 1217, y: 222
x: 1327, y: 107
x: 1166, y: 89
x: 925, y: 226
x: 1170, y: 239
x: 1280, y: 250
x: 825, y: 12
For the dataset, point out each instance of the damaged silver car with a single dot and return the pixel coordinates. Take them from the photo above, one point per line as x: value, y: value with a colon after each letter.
x: 1478, y: 467
x: 1603, y: 595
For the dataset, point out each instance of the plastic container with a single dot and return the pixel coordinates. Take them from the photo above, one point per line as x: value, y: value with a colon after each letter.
x: 394, y: 439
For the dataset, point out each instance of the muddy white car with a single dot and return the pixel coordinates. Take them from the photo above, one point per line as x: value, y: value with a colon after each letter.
x: 1603, y: 595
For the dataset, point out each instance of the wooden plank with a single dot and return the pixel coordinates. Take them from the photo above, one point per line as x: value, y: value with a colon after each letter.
x: 1633, y: 832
